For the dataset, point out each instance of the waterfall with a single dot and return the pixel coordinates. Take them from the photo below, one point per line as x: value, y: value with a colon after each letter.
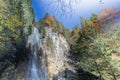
x: 37, y: 66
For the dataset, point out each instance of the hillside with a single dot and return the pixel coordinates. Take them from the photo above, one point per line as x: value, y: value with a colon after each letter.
x: 47, y: 50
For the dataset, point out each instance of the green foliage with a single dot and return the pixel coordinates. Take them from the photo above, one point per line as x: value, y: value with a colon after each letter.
x: 41, y: 25
x: 27, y: 15
x: 75, y: 34
x: 66, y: 35
x: 56, y: 26
x: 43, y: 34
x: 13, y: 25
x: 12, y: 37
x: 95, y: 54
x: 94, y: 51
x: 94, y: 17
x: 15, y: 15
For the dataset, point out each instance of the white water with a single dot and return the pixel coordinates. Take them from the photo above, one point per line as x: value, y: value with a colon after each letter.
x: 36, y: 66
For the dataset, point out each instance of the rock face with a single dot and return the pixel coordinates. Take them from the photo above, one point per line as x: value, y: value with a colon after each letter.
x: 56, y: 49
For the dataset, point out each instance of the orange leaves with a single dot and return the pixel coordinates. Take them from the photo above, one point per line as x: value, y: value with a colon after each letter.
x: 49, y: 20
x: 107, y: 14
x: 94, y: 25
x: 85, y: 29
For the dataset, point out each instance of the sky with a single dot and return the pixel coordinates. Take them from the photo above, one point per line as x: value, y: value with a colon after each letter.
x: 78, y: 8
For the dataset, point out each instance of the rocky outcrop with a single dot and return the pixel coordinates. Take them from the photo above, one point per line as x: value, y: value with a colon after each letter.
x: 56, y: 49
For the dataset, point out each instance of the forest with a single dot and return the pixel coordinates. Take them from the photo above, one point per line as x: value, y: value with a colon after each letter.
x: 94, y: 44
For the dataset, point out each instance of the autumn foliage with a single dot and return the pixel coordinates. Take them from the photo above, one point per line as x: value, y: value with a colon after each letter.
x: 107, y: 14
x: 49, y: 20
x: 94, y: 25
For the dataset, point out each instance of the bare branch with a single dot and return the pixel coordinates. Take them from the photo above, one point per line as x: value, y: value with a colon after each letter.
x: 63, y: 8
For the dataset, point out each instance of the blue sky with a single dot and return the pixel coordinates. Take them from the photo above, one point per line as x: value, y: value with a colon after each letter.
x: 82, y: 8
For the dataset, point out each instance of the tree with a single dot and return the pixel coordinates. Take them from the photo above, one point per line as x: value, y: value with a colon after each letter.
x: 94, y: 50
x: 94, y: 17
x: 28, y: 16
x: 107, y: 14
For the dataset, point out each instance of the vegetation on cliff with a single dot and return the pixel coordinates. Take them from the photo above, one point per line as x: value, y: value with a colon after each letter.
x: 94, y: 52
x: 15, y: 16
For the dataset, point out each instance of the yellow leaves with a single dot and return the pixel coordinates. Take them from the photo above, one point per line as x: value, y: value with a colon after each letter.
x: 0, y: 28
x: 112, y: 44
x: 85, y: 29
x: 3, y: 5
x: 13, y: 23
x: 10, y: 24
x: 3, y: 9
x: 94, y: 25
x: 8, y: 20
x: 47, y: 22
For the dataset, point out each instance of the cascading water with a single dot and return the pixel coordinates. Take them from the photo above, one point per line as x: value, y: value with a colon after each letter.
x: 36, y: 67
